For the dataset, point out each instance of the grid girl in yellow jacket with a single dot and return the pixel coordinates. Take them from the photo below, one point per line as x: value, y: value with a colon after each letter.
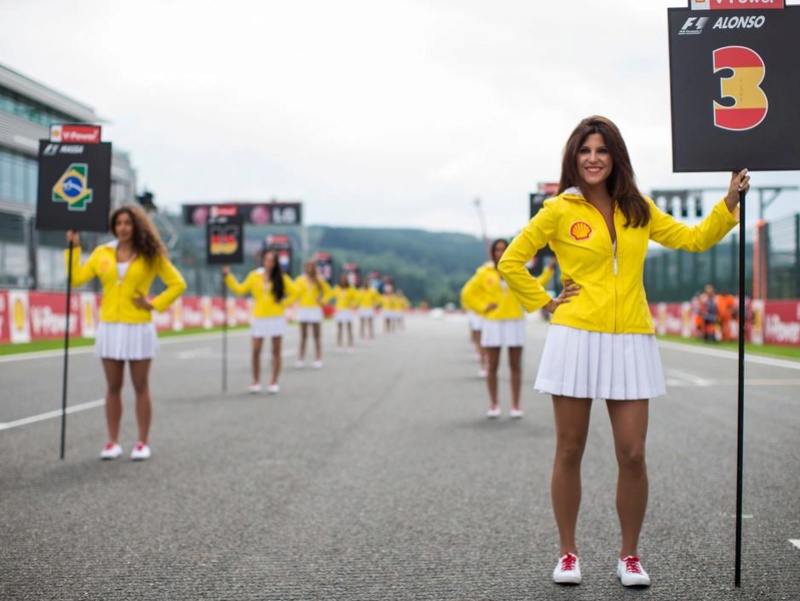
x: 368, y: 300
x: 313, y: 292
x: 502, y: 325
x: 600, y: 342
x: 273, y: 291
x: 388, y: 308
x: 126, y: 268
x: 475, y: 322
x: 402, y: 305
x: 346, y: 297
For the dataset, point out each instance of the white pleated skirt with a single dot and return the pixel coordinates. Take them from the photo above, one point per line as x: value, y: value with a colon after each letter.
x: 309, y: 315
x: 475, y: 321
x: 344, y: 315
x: 389, y: 314
x: 126, y: 341
x: 268, y: 327
x: 502, y: 332
x: 596, y: 365
x: 366, y: 313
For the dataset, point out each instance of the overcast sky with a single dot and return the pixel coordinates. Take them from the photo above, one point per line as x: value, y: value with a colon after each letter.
x: 371, y: 112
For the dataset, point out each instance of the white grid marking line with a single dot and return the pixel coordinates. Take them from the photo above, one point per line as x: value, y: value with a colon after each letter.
x: 51, y: 414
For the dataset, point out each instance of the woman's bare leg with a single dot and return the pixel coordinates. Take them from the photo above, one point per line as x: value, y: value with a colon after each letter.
x: 572, y: 428
x: 140, y: 376
x: 629, y: 424
x: 115, y: 376
x: 257, y: 343
x: 493, y: 361
x: 276, y: 359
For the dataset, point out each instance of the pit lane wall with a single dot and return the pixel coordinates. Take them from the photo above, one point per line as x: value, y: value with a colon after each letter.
x: 26, y: 316
x: 768, y: 322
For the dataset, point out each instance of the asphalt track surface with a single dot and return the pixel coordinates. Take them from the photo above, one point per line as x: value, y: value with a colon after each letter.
x: 378, y: 477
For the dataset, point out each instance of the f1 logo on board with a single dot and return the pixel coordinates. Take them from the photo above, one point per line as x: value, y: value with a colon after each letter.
x: 750, y: 103
x: 693, y: 26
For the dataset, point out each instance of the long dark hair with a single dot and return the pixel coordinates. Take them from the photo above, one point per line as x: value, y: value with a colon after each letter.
x: 494, y: 246
x: 276, y: 277
x: 621, y: 184
x: 145, y: 239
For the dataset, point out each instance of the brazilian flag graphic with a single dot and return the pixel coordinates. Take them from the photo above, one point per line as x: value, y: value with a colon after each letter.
x: 72, y: 187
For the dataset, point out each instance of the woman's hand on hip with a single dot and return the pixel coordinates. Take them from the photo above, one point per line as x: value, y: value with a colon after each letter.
x: 570, y: 289
x: 141, y: 301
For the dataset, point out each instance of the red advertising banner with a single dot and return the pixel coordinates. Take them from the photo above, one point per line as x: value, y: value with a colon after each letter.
x: 27, y: 316
x: 47, y: 315
x: 781, y: 322
x: 736, y: 4
x: 72, y: 133
x: 5, y: 334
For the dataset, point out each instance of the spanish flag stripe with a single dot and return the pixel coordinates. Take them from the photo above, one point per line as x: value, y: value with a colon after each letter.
x: 735, y: 57
x: 738, y: 119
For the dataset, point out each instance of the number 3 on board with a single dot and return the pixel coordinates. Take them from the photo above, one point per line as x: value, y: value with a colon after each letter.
x: 750, y: 103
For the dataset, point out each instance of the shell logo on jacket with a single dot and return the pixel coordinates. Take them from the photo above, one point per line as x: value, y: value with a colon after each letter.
x: 580, y: 230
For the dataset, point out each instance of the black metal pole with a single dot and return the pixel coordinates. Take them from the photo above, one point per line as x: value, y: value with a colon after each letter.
x: 740, y: 432
x: 224, y: 336
x: 66, y: 353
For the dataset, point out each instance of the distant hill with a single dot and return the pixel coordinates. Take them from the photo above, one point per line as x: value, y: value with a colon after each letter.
x: 427, y: 266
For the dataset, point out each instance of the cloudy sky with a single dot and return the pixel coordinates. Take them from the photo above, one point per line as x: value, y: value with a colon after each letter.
x: 371, y: 112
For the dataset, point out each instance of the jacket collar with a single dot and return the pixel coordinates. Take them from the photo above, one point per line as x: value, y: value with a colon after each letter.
x: 573, y: 193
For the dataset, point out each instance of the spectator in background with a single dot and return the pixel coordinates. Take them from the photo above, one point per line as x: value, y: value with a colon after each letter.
x: 726, y: 307
x: 709, y: 312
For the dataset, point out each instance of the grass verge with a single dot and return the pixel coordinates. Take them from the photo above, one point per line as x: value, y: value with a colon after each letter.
x: 50, y: 345
x: 769, y: 350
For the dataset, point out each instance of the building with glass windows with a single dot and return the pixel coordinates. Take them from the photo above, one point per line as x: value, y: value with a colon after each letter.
x: 29, y: 258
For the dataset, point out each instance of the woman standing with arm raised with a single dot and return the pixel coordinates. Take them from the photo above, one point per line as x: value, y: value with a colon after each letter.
x: 126, y: 268
x: 601, y: 341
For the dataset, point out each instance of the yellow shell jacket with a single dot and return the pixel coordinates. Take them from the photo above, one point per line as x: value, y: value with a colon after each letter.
x: 256, y: 284
x: 368, y: 299
x: 311, y: 295
x: 403, y: 303
x: 487, y: 288
x: 388, y: 302
x: 346, y: 298
x: 118, y: 294
x: 611, y: 297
